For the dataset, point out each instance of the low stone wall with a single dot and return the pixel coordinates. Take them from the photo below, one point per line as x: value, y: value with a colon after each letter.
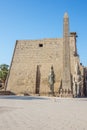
x: 6, y: 93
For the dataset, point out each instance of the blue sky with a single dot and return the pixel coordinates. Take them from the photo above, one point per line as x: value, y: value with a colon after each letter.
x: 37, y: 19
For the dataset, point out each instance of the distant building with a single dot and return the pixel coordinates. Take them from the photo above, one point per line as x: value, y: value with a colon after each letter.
x: 34, y: 61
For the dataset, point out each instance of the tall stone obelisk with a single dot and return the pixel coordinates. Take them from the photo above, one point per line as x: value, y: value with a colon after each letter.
x: 66, y: 78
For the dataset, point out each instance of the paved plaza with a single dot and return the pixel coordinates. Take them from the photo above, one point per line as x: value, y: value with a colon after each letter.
x: 42, y: 113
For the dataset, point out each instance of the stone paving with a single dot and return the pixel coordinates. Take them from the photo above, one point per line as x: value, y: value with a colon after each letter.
x: 42, y: 113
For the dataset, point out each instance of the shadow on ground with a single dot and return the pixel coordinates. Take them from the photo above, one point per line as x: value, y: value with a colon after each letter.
x: 23, y: 97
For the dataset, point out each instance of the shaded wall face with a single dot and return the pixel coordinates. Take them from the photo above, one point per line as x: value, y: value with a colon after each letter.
x: 30, y: 54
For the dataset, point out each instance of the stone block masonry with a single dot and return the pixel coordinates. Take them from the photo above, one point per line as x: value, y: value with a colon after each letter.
x: 28, y: 55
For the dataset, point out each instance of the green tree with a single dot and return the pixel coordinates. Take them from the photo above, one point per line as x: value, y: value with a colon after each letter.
x: 3, y: 72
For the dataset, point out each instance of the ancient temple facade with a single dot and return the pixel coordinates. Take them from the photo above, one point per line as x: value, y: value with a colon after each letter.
x: 47, y: 66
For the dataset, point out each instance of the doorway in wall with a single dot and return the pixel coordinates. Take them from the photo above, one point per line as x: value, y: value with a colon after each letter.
x: 38, y: 77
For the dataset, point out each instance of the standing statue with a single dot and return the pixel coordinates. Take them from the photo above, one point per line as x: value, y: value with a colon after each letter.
x: 77, y: 82
x: 77, y: 85
x: 51, y: 80
x: 77, y: 71
x: 74, y: 86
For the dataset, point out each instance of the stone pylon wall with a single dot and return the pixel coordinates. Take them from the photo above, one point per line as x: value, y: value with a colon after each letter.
x: 44, y: 53
x: 27, y: 56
